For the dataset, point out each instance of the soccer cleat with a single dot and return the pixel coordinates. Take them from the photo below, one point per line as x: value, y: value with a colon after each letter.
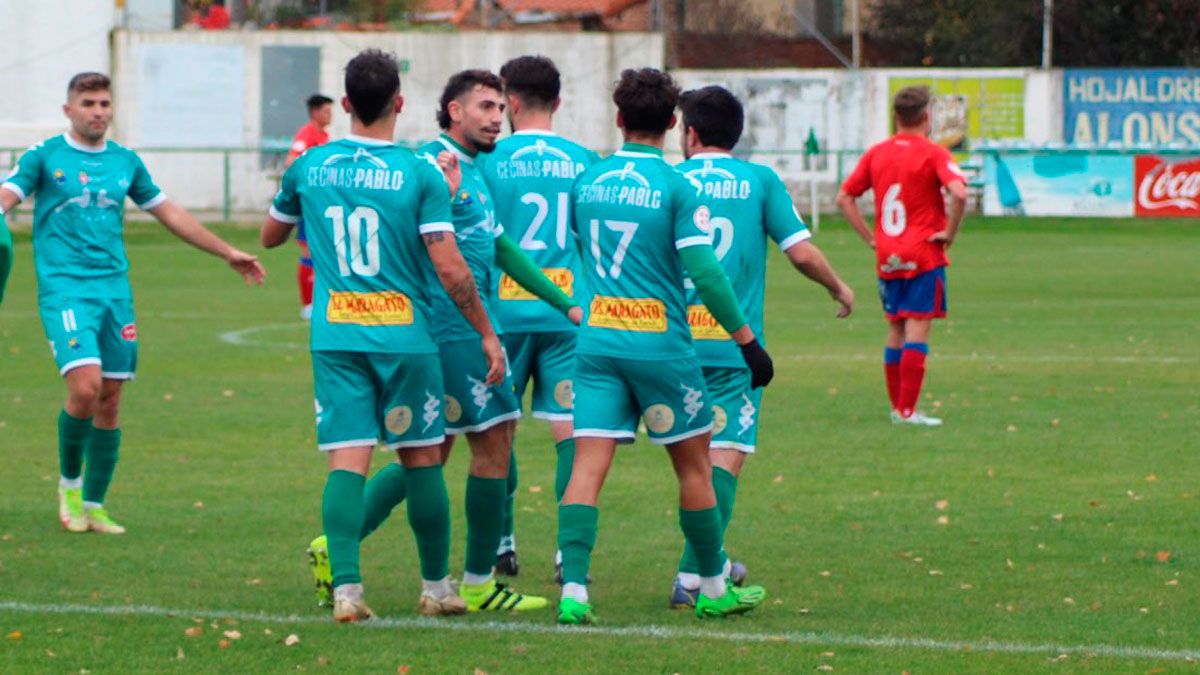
x: 737, y: 574
x: 897, y: 418
x: 506, y: 564
x: 571, y: 612
x: 440, y: 605
x: 735, y: 601
x: 318, y: 561
x: 349, y: 605
x: 98, y: 520
x: 683, y: 598
x: 493, y: 596
x: 918, y: 419
x: 70, y: 509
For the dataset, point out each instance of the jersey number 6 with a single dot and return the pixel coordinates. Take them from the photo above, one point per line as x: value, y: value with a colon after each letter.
x: 894, y: 218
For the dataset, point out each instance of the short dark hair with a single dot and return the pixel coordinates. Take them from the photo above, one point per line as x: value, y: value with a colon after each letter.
x: 715, y: 113
x: 461, y: 83
x: 532, y: 79
x: 646, y: 99
x: 910, y: 104
x: 372, y: 80
x: 89, y: 81
x: 316, y: 101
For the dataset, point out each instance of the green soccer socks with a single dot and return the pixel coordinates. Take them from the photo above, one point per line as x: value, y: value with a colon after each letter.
x: 383, y: 493
x: 562, y: 474
x: 103, y: 450
x: 577, y: 525
x: 725, y: 486
x: 485, y: 503
x: 342, y: 520
x: 73, y: 436
x: 429, y: 517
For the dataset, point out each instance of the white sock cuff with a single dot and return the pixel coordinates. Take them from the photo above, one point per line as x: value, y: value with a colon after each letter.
x: 688, y: 580
x: 70, y: 483
x: 576, y: 592
x: 476, y: 579
x: 712, y: 587
x: 93, y: 505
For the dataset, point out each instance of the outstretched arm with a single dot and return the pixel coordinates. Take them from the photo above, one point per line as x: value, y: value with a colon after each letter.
x: 522, y: 269
x: 6, y: 253
x: 184, y: 225
x: 456, y: 278
x: 809, y: 260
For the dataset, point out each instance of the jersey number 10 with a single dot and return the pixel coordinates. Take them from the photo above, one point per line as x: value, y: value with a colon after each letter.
x: 355, y: 240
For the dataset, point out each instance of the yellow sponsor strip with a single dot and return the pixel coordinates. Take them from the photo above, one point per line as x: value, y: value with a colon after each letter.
x: 704, y: 326
x: 561, y: 276
x: 641, y: 315
x: 385, y: 308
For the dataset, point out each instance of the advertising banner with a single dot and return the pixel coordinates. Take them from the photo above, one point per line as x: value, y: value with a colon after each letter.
x: 1134, y: 106
x: 971, y: 108
x: 1058, y: 184
x: 1167, y: 186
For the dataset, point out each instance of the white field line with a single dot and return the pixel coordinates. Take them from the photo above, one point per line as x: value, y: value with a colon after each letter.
x: 245, y: 337
x: 643, y: 632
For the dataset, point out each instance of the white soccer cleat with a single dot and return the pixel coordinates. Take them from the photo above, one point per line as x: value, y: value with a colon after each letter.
x: 70, y: 510
x: 919, y: 419
x: 349, y: 605
x: 98, y: 520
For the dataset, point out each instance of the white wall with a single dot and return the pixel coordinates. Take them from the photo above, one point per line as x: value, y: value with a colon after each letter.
x: 42, y: 44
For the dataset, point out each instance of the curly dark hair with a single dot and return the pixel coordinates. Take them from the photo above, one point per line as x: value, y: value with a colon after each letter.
x: 646, y: 99
x: 461, y: 83
x: 372, y: 80
x: 532, y: 79
x: 715, y: 113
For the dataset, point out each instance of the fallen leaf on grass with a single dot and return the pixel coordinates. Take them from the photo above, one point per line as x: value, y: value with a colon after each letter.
x: 777, y: 479
x: 1069, y: 601
x: 291, y: 640
x: 826, y: 573
x: 223, y: 643
x: 322, y: 661
x: 1012, y: 427
x: 402, y: 670
x: 233, y: 635
x: 941, y: 504
x: 179, y: 655
x: 828, y: 655
x: 480, y: 671
x: 1173, y: 582
x: 193, y: 631
x: 1058, y: 517
x: 198, y: 505
x: 935, y: 573
x: 535, y: 489
x: 228, y: 393
x: 268, y: 631
x: 519, y: 649
x: 1151, y: 478
x: 1163, y: 556
x: 825, y: 668
x: 15, y: 635
x: 943, y: 520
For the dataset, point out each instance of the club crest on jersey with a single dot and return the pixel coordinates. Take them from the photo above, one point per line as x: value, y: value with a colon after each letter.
x: 464, y: 197
x: 129, y: 332
x: 895, y: 263
x: 60, y: 177
x: 73, y: 344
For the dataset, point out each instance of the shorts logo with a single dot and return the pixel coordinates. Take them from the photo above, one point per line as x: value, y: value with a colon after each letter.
x: 398, y: 420
x: 561, y: 276
x: 453, y: 409
x: 432, y: 410
x: 692, y: 403
x: 319, y: 409
x: 640, y: 315
x: 659, y: 418
x: 704, y: 326
x: 129, y: 332
x: 385, y: 308
x: 480, y: 393
x: 720, y: 419
x: 746, y: 415
x: 564, y: 394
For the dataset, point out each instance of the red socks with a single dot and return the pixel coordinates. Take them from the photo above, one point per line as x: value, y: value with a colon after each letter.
x: 911, y: 375
x: 304, y: 277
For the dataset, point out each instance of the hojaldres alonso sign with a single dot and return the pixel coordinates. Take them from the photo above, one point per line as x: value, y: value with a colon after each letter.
x: 1131, y: 106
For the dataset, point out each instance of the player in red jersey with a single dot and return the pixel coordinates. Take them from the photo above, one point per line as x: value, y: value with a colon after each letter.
x: 315, y: 132
x: 907, y: 173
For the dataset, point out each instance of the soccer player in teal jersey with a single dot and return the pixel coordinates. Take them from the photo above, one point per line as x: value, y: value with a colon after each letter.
x: 641, y: 225
x: 470, y: 115
x: 529, y: 176
x: 6, y: 254
x: 750, y: 205
x: 379, y: 226
x: 81, y: 180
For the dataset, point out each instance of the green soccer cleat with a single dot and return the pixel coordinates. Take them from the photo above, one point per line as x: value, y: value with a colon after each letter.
x: 735, y: 601
x: 318, y: 560
x: 98, y: 520
x: 70, y: 510
x: 571, y: 612
x: 493, y: 596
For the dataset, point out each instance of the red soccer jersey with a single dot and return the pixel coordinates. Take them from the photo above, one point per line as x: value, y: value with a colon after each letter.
x: 906, y: 173
x: 309, y: 136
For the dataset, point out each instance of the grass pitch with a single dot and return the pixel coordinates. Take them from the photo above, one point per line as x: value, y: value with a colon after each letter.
x: 1052, y: 524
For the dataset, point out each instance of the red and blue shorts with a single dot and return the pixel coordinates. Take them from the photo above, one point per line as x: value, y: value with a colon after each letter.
x: 921, y: 297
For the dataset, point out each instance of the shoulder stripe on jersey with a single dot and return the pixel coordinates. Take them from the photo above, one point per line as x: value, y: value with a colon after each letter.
x: 796, y: 238
x: 693, y: 241
x: 13, y: 188
x: 282, y: 217
x: 154, y: 201
x: 441, y: 226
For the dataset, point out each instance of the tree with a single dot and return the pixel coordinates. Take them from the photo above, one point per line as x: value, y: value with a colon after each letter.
x: 1097, y: 33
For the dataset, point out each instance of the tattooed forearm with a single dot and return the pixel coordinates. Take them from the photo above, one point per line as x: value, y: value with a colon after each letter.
x: 465, y: 295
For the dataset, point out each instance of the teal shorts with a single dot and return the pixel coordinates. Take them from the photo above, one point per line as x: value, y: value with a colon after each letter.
x: 364, y: 397
x: 471, y: 405
x: 85, y: 332
x: 549, y: 360
x: 611, y: 393
x: 735, y: 408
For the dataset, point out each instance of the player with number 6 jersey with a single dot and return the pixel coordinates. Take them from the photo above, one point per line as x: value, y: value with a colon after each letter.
x: 907, y: 174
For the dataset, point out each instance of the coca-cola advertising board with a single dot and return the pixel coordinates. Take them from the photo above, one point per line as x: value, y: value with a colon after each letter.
x: 1167, y: 186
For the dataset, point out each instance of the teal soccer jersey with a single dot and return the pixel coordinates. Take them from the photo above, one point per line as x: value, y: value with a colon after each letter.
x: 78, y: 214
x: 749, y: 204
x: 476, y: 229
x: 529, y: 176
x: 631, y: 213
x: 366, y: 204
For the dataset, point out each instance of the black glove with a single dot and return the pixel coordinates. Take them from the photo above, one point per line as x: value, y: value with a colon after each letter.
x: 762, y: 369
